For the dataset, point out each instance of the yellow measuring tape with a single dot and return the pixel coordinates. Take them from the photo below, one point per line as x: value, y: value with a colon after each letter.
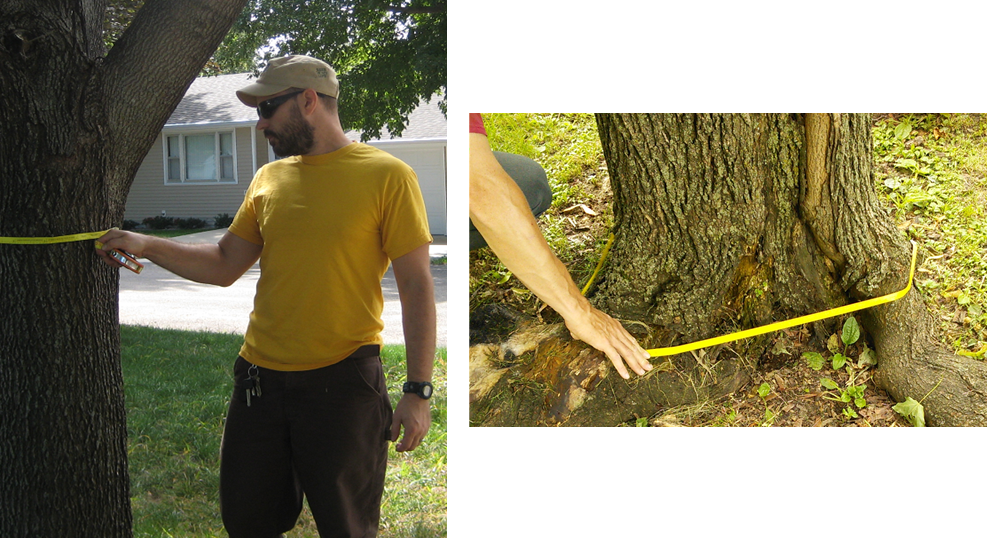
x: 125, y: 258
x: 51, y: 240
x: 603, y: 257
x: 832, y: 312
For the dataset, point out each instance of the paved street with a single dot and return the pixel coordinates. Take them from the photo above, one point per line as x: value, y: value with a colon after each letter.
x: 158, y: 298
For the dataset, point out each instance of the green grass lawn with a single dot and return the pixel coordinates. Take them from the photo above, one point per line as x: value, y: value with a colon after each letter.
x: 931, y: 171
x: 178, y: 385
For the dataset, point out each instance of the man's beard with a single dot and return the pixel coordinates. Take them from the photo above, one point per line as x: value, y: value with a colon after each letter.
x: 295, y: 138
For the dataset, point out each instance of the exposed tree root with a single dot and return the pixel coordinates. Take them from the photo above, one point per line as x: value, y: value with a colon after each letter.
x: 540, y: 376
x: 952, y: 388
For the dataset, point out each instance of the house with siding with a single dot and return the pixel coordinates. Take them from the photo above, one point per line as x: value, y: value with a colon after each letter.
x: 207, y: 153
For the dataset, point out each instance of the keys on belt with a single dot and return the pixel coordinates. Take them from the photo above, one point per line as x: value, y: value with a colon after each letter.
x: 252, y: 383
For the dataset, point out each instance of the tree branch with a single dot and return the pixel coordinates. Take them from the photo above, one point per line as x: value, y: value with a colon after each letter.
x: 152, y: 65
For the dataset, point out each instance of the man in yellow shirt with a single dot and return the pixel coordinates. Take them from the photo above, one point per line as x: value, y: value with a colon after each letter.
x: 310, y: 414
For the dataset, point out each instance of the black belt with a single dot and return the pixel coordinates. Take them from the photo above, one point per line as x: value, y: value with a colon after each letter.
x: 370, y: 350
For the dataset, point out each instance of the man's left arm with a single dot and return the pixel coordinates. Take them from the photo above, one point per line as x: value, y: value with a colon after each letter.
x: 415, y: 288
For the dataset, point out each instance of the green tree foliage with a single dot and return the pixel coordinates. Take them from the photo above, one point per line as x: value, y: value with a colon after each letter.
x: 389, y: 54
x: 119, y: 14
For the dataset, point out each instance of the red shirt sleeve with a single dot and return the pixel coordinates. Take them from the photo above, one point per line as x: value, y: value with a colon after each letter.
x: 476, y: 124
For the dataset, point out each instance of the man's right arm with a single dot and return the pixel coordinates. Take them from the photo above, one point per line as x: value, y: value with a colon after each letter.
x: 500, y: 212
x: 220, y: 264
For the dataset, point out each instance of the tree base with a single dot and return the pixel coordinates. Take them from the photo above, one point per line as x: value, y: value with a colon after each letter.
x: 539, y: 376
x: 952, y: 388
x: 534, y: 374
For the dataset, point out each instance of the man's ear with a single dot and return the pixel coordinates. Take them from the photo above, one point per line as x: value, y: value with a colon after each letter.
x: 311, y: 101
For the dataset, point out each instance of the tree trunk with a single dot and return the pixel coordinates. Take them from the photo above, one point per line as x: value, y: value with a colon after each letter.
x: 726, y: 222
x: 73, y: 131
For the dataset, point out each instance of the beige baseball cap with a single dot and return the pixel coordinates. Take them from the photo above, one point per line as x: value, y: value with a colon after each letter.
x: 291, y: 72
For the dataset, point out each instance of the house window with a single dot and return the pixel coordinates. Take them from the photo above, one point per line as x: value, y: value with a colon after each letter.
x: 200, y: 158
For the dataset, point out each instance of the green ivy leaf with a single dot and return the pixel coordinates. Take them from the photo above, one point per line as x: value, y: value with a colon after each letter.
x: 828, y: 383
x: 764, y: 390
x: 911, y: 410
x: 851, y: 331
x: 838, y: 361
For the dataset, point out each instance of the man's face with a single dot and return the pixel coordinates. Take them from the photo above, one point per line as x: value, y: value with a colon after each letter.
x: 288, y: 132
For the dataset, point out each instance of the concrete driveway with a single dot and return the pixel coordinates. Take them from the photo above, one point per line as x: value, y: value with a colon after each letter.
x: 157, y: 298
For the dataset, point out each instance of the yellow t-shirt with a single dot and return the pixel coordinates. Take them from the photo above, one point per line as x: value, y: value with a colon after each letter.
x: 329, y: 224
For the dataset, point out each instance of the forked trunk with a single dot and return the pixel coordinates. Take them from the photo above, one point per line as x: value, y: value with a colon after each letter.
x: 74, y: 126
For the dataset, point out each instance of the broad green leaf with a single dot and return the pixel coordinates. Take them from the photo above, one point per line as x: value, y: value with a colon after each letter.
x: 902, y: 131
x: 851, y: 331
x: 908, y: 164
x: 828, y: 383
x: 845, y: 397
x: 814, y: 359
x: 764, y: 390
x: 769, y: 418
x: 867, y: 358
x: 860, y: 403
x: 911, y: 410
x: 849, y: 412
x: 833, y: 344
x: 838, y: 361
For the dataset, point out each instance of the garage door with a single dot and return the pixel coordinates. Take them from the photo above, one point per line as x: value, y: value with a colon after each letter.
x: 428, y: 162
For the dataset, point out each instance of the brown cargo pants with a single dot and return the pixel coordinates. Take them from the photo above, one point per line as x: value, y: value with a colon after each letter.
x: 319, y: 433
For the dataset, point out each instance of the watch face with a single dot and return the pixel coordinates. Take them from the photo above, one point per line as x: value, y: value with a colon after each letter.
x: 427, y: 391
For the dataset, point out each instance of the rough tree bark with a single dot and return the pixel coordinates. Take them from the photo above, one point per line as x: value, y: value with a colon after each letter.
x: 74, y: 126
x: 726, y: 222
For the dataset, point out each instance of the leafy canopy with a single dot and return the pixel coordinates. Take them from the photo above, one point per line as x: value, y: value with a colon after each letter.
x: 389, y: 55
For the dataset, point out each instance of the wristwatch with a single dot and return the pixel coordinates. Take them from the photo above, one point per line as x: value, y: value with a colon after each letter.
x: 422, y: 389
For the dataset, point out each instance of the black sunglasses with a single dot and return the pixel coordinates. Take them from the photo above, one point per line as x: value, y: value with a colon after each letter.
x: 266, y: 109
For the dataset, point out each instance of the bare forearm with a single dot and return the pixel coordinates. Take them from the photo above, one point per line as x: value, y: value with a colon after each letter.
x: 220, y: 264
x: 191, y: 261
x: 418, y: 320
x: 500, y: 212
